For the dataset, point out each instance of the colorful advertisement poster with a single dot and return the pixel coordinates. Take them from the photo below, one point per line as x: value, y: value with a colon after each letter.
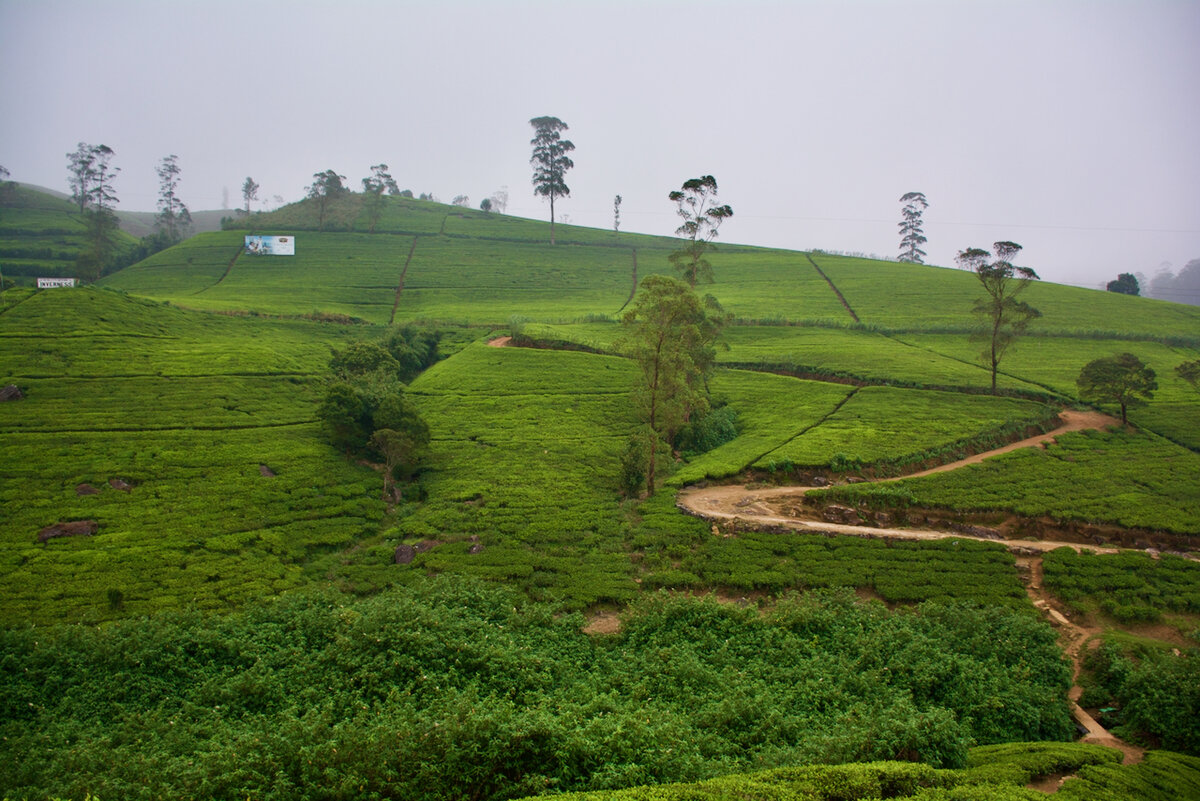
x: 271, y: 245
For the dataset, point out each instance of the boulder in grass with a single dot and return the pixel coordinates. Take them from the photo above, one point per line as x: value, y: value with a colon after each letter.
x: 11, y: 392
x: 265, y: 471
x: 118, y: 484
x: 73, y: 528
x: 405, y: 554
x: 85, y: 489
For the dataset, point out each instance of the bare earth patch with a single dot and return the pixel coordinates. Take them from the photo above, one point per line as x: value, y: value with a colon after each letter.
x: 603, y: 623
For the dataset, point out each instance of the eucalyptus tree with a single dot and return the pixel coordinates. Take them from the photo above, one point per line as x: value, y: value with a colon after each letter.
x: 911, y: 234
x: 249, y: 192
x: 374, y: 185
x: 696, y: 204
x: 1003, y: 318
x: 550, y: 161
x: 173, y: 217
x: 90, y: 177
x: 616, y: 214
x: 670, y: 333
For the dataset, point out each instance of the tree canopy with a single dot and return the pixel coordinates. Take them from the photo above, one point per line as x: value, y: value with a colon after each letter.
x: 173, y: 218
x: 696, y: 204
x: 670, y: 333
x: 1002, y: 317
x: 1125, y: 284
x: 1122, y: 379
x: 550, y: 161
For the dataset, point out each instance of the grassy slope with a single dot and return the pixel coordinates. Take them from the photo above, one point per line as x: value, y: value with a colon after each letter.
x: 41, y: 235
x: 524, y: 441
x: 185, y: 408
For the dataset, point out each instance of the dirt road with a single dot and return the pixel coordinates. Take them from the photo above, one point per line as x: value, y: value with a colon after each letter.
x: 764, y: 507
x: 770, y: 507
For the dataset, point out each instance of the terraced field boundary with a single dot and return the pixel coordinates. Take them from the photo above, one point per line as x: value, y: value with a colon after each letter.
x: 832, y: 286
x: 400, y: 287
x: 228, y: 269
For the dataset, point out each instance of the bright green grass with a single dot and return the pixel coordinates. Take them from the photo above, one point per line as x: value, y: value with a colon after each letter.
x: 1131, y: 479
x: 482, y: 281
x: 771, y: 410
x: 914, y: 297
x: 185, y: 407
x: 1055, y: 362
x: 888, y: 424
x: 824, y: 351
x: 351, y: 274
x: 1127, y: 585
x: 42, y: 235
x: 899, y: 571
x: 201, y: 526
x: 184, y: 271
x: 525, y: 445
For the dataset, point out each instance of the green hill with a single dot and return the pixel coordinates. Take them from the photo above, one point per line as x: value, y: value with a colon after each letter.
x: 173, y: 411
x: 42, y: 235
x: 525, y: 442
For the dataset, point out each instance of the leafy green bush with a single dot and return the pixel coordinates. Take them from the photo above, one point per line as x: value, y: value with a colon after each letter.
x: 452, y: 686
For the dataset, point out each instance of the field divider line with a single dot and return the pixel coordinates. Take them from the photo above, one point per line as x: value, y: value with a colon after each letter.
x: 1053, y: 392
x: 833, y: 286
x: 632, y: 289
x: 403, y: 272
x: 150, y: 429
x: 6, y: 309
x: 228, y: 269
x: 807, y: 428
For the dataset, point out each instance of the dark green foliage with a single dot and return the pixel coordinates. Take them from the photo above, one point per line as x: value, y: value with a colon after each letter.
x: 346, y: 416
x: 1156, y: 692
x: 360, y: 358
x: 711, y: 430
x: 454, y: 689
x: 1125, y: 284
x: 1122, y: 379
x: 413, y: 348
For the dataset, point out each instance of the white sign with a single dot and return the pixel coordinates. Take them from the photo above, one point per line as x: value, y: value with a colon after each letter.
x: 271, y: 245
x: 55, y: 283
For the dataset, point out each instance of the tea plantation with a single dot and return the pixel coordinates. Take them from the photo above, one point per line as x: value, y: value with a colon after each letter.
x: 238, y: 588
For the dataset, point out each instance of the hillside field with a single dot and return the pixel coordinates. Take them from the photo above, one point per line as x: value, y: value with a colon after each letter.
x: 173, y: 408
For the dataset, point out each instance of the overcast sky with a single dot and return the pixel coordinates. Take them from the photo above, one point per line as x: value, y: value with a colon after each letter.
x: 1072, y: 128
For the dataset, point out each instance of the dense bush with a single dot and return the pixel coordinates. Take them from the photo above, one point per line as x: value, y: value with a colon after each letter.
x: 457, y: 689
x: 1156, y: 692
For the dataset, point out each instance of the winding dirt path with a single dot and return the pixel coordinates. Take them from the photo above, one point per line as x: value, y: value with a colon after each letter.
x: 1074, y: 639
x: 777, y: 508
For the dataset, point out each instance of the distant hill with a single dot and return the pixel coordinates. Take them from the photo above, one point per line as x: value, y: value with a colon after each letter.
x: 41, y: 234
x: 141, y: 223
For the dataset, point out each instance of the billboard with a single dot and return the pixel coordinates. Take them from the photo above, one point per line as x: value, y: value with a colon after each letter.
x: 271, y: 245
x: 54, y: 283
